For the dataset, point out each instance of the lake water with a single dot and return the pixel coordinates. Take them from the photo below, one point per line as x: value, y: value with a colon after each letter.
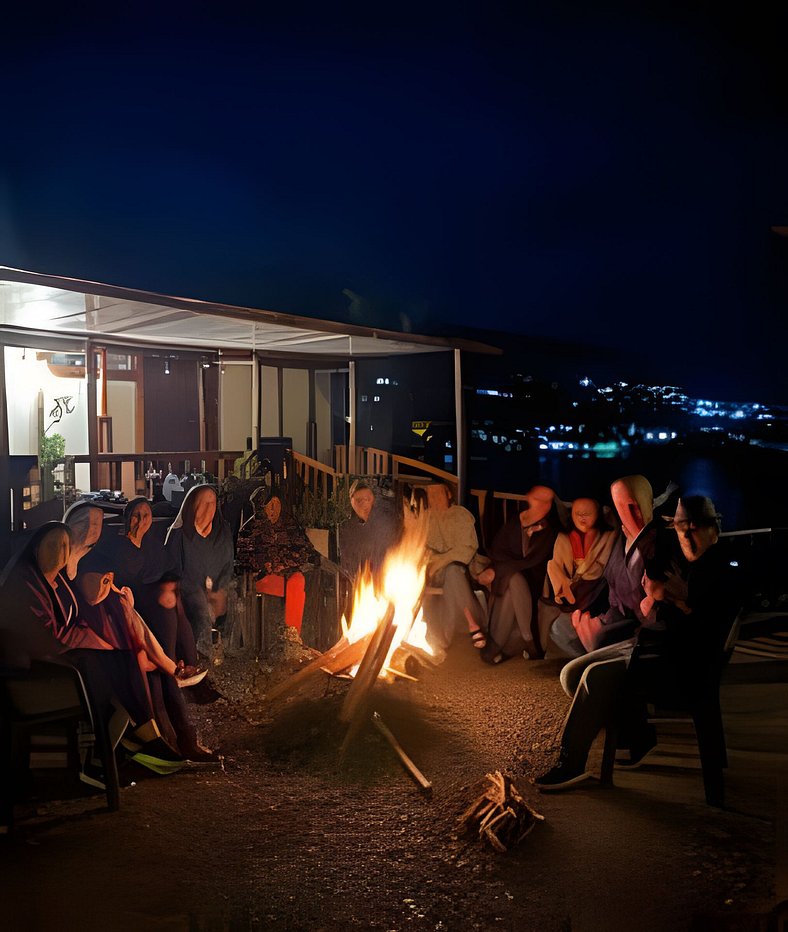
x: 747, y: 484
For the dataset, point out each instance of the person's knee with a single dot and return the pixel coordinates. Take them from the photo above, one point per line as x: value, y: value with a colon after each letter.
x: 453, y: 573
x: 518, y: 583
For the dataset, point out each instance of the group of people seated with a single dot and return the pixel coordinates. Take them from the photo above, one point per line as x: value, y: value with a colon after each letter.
x: 635, y: 597
x: 132, y: 612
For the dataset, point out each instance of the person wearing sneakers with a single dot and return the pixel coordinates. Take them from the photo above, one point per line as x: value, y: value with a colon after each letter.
x: 696, y: 598
x: 102, y: 606
x: 140, y: 562
x: 201, y: 545
x: 86, y: 522
x: 41, y: 621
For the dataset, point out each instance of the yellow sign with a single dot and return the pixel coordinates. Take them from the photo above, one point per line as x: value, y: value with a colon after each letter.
x: 419, y: 427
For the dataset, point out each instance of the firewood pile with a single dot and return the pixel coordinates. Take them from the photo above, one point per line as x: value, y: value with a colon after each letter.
x: 500, y: 815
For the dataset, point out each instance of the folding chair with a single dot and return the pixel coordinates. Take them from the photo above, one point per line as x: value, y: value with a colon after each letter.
x: 31, y: 703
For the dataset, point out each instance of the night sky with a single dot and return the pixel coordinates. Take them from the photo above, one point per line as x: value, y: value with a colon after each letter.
x: 608, y: 177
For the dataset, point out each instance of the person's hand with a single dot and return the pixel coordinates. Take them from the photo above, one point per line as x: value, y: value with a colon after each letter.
x: 486, y: 576
x: 565, y: 593
x: 654, y: 588
x: 587, y: 629
x: 646, y: 606
x: 126, y: 597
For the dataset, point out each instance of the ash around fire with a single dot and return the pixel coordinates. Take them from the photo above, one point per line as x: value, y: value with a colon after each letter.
x: 307, y: 735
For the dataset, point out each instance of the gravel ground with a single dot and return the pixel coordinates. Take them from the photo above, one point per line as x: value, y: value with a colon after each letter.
x: 284, y: 837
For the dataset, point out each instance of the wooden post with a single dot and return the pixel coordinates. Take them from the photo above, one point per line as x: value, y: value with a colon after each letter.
x: 351, y: 453
x: 459, y: 416
x: 5, y: 463
x: 93, y: 436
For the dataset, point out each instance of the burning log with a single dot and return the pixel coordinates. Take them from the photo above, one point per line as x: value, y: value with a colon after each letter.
x: 500, y: 815
x: 371, y: 665
x: 355, y: 707
x: 407, y: 763
x: 341, y: 656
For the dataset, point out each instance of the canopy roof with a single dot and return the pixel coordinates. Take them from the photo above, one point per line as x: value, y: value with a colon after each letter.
x: 31, y: 302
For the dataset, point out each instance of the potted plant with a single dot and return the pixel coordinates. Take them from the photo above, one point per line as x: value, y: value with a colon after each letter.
x: 51, y: 450
x: 318, y: 515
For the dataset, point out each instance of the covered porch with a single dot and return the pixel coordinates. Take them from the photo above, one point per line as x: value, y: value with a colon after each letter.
x: 109, y: 386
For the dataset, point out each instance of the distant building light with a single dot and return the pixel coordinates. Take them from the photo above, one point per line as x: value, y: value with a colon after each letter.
x: 487, y: 391
x: 364, y: 398
x: 379, y: 381
x: 733, y: 563
x: 387, y: 381
x: 738, y: 414
x: 649, y: 436
x: 574, y: 404
x: 663, y: 435
x: 376, y: 398
x: 585, y: 382
x: 673, y: 435
x: 543, y: 446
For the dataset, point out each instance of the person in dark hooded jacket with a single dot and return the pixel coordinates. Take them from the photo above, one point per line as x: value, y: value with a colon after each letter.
x: 201, y: 545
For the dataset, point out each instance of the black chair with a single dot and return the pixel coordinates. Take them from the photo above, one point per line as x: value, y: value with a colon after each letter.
x: 32, y: 702
x: 706, y: 716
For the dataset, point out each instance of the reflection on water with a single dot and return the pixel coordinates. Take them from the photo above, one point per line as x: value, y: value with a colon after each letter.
x: 747, y: 484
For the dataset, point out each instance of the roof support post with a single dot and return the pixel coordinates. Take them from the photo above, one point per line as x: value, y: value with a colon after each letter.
x: 459, y: 418
x: 93, y: 438
x: 5, y: 463
x: 351, y: 453
x: 255, y: 401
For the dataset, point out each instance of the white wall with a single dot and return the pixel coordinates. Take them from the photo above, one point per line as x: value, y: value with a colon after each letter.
x: 235, y: 414
x: 25, y: 376
x: 295, y: 406
x: 122, y: 408
x: 269, y: 412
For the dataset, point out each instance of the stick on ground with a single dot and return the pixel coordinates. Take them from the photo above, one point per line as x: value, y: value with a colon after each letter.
x: 407, y: 763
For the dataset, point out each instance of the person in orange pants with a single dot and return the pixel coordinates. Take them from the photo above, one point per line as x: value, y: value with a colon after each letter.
x: 276, y: 549
x: 292, y: 590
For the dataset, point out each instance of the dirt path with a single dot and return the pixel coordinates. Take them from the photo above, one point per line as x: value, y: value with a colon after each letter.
x: 282, y: 838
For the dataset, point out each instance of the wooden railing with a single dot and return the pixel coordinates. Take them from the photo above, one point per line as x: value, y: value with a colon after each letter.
x: 318, y: 477
x: 109, y: 466
x: 370, y: 461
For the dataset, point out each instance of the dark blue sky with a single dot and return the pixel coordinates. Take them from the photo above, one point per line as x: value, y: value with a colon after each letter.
x: 607, y: 177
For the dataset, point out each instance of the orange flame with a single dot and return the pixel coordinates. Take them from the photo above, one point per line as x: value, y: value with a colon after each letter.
x: 401, y: 584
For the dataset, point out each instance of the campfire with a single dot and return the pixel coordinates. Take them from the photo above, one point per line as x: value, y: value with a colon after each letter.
x: 391, y: 608
x: 386, y: 626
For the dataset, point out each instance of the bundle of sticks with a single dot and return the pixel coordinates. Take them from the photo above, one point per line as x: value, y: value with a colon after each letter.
x: 500, y: 815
